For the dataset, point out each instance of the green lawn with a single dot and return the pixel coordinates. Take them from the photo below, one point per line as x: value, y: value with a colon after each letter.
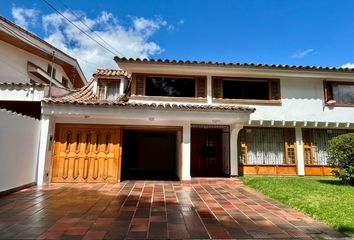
x: 320, y: 197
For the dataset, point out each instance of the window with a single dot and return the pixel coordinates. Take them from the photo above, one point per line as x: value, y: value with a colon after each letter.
x: 339, y: 93
x: 315, y: 144
x: 65, y: 82
x: 169, y: 86
x: 49, y: 71
x: 108, y: 89
x: 250, y: 89
x: 267, y: 146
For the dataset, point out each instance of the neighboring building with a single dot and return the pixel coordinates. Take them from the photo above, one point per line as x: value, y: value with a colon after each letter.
x: 32, y: 69
x: 181, y: 119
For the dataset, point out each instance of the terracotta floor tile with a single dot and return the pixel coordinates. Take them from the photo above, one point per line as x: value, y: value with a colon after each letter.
x: 202, y: 208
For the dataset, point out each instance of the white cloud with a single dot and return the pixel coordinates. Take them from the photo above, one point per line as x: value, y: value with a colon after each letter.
x: 133, y: 40
x: 303, y: 53
x: 348, y: 65
x: 24, y: 17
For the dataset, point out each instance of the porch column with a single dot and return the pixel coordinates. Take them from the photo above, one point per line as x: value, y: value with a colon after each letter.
x: 43, y: 149
x: 209, y: 90
x: 299, y: 152
x: 234, y: 130
x: 186, y: 152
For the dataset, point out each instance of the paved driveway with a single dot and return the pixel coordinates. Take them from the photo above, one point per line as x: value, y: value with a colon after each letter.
x: 152, y: 209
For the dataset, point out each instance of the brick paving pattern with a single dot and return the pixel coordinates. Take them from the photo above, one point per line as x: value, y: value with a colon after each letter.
x: 200, y: 209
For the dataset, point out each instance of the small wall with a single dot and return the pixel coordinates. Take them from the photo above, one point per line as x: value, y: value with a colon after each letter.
x: 19, y: 142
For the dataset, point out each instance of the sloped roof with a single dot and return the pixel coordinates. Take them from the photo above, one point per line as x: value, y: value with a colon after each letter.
x: 86, y: 96
x: 111, y: 73
x: 25, y: 40
x: 235, y: 64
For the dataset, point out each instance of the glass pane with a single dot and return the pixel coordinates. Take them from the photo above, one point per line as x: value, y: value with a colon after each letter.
x: 343, y: 93
x: 320, y: 141
x: 171, y: 87
x: 101, y: 87
x: 239, y: 89
x: 112, y: 90
x: 265, y: 146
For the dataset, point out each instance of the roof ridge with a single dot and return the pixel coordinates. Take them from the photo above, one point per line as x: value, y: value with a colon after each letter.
x: 238, y: 64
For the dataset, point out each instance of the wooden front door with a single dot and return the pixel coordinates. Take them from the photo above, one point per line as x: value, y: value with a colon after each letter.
x: 86, y: 154
x: 206, y: 153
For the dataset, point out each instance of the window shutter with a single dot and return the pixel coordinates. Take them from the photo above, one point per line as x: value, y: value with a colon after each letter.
x: 201, y: 82
x: 274, y: 90
x: 217, y: 88
x: 140, y: 84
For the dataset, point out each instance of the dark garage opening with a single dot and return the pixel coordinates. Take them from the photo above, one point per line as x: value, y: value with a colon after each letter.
x: 150, y: 155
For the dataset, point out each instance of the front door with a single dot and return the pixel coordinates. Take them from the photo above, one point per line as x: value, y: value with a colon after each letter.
x: 207, y: 152
x: 86, y: 154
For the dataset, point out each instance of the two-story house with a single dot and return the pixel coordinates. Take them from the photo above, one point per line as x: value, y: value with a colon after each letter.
x: 32, y: 69
x: 180, y: 119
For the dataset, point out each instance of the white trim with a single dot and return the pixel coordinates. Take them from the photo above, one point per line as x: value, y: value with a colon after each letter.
x: 299, y: 152
x: 186, y: 152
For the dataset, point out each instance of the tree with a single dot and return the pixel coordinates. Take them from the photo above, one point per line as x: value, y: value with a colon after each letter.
x: 340, y: 151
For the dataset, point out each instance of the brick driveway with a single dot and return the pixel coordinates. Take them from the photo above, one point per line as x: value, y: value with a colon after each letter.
x: 202, y: 209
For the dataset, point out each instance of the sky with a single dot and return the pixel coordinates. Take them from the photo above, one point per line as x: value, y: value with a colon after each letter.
x: 294, y: 32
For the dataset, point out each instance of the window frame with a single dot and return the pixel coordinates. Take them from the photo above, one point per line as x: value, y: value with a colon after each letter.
x: 242, y: 100
x: 308, y: 144
x: 105, y: 80
x: 49, y: 71
x: 328, y: 94
x: 65, y: 82
x: 146, y: 75
x: 243, y: 146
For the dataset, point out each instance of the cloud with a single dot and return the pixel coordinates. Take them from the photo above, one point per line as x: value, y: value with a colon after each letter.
x: 24, y: 17
x: 348, y: 65
x: 128, y: 40
x: 303, y: 53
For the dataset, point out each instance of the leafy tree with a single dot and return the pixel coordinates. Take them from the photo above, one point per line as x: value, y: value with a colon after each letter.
x: 340, y: 151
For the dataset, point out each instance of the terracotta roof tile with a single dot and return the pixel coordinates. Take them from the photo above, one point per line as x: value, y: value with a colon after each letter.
x: 86, y: 96
x: 236, y: 64
x: 111, y: 73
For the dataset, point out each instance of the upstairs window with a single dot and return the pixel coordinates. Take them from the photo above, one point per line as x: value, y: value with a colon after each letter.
x: 108, y: 89
x: 49, y: 71
x: 169, y: 86
x: 248, y: 89
x: 65, y: 82
x: 339, y: 93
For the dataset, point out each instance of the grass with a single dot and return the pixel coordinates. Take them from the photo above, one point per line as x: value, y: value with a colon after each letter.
x: 323, y: 198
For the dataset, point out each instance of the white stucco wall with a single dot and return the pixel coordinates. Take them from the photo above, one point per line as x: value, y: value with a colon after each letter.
x: 13, y: 64
x: 19, y: 143
x: 302, y: 99
x: 21, y: 93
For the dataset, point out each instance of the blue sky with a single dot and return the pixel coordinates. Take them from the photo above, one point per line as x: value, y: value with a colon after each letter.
x: 281, y: 32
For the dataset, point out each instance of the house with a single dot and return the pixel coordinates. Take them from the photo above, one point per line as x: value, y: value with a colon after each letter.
x: 167, y: 119
x: 32, y: 69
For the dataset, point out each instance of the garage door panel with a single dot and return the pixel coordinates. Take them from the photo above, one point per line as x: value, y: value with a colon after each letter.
x: 86, y: 154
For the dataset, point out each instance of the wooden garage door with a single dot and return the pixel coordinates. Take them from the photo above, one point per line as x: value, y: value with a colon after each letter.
x: 86, y: 154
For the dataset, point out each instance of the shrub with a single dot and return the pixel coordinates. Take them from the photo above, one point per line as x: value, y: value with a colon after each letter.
x: 340, y: 151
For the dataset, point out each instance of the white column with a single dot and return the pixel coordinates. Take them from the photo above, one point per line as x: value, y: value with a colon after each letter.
x: 299, y: 152
x: 209, y: 90
x: 234, y: 130
x: 122, y: 85
x: 186, y: 152
x: 43, y: 145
